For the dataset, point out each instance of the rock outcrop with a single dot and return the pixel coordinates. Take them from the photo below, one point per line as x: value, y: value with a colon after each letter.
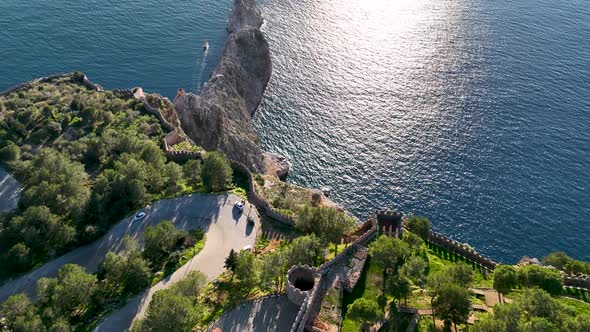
x: 277, y: 165
x: 220, y: 117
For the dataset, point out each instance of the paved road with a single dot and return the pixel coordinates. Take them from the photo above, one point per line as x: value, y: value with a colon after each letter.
x: 9, y: 191
x: 225, y: 229
x: 268, y: 314
x: 229, y: 232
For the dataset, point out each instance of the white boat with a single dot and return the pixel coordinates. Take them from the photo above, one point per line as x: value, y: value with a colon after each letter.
x: 205, y: 45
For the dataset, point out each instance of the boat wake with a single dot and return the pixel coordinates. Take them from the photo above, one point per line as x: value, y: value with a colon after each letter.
x: 199, y: 71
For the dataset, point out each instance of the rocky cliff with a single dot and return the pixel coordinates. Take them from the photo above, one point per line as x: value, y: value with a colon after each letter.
x: 220, y: 117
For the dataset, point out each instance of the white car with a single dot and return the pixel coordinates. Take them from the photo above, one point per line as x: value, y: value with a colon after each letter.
x: 140, y: 215
x: 240, y: 205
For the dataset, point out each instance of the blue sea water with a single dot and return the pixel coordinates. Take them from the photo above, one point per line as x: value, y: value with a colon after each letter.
x: 118, y: 43
x: 474, y: 113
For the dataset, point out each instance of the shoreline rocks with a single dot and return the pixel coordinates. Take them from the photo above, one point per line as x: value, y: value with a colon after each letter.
x: 277, y: 164
x: 219, y: 118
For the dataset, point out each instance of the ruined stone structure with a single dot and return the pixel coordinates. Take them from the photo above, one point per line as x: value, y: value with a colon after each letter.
x: 172, y: 138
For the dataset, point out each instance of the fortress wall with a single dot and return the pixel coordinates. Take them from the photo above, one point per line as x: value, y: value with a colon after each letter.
x: 259, y: 201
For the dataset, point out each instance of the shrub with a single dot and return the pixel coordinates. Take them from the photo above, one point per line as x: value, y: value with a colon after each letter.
x: 216, y: 171
x: 10, y: 152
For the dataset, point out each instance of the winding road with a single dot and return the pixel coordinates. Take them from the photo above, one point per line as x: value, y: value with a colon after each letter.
x: 225, y: 228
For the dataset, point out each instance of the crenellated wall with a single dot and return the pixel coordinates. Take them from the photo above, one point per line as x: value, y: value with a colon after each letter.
x: 25, y: 85
x: 173, y: 138
x: 462, y: 250
x: 576, y: 281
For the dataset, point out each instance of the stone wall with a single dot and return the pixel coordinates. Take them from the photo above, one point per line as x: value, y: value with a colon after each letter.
x: 576, y: 281
x: 361, y: 240
x: 25, y: 85
x: 173, y: 138
x: 295, y: 294
x: 154, y: 111
x: 260, y: 201
x: 92, y: 86
x: 306, y: 299
x: 462, y: 250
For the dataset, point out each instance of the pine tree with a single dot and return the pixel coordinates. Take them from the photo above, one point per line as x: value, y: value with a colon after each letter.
x: 230, y: 262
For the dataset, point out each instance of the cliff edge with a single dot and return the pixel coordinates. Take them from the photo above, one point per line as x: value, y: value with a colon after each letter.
x: 220, y: 117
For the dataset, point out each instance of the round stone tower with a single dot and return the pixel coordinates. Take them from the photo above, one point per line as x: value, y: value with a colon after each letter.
x: 300, y: 282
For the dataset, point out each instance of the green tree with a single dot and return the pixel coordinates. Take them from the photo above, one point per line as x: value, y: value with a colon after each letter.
x: 488, y: 324
x: 388, y: 252
x: 327, y: 223
x: 173, y: 174
x: 562, y: 261
x: 16, y: 306
x: 137, y: 274
x: 273, y: 271
x: 304, y: 250
x: 10, y: 152
x: 509, y: 314
x: 536, y: 324
x: 160, y: 241
x: 545, y: 278
x: 451, y: 304
x: 399, y: 287
x: 580, y: 323
x: 70, y: 293
x: 415, y: 243
x: 538, y: 303
x: 19, y: 258
x: 53, y: 180
x: 28, y: 323
x: 460, y: 274
x: 414, y: 269
x: 419, y: 226
x: 231, y: 261
x: 216, y: 171
x: 43, y: 232
x: 192, y: 171
x: 247, y: 270
x: 169, y: 311
x: 504, y: 279
x: 191, y: 285
x: 111, y: 272
x: 60, y: 325
x: 365, y: 311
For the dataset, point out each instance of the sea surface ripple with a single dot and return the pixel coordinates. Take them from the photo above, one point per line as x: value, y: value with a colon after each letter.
x: 119, y: 44
x: 474, y: 113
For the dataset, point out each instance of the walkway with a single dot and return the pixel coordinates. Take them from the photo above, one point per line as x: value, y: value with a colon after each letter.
x: 224, y: 228
x: 9, y: 191
x: 268, y: 314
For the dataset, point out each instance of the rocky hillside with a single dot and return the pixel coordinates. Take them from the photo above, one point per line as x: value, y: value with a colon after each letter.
x: 220, y: 117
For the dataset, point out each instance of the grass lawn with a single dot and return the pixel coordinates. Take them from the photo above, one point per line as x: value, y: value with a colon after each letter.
x: 419, y: 299
x: 367, y: 287
x: 580, y: 306
x: 331, y: 253
x: 577, y: 293
x: 439, y: 258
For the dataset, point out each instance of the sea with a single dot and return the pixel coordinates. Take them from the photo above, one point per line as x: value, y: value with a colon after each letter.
x: 474, y: 113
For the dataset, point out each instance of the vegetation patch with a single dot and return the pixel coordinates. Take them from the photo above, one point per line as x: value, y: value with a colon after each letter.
x: 85, y: 159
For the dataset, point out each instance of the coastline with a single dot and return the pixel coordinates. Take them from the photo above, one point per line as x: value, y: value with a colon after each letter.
x: 220, y: 117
